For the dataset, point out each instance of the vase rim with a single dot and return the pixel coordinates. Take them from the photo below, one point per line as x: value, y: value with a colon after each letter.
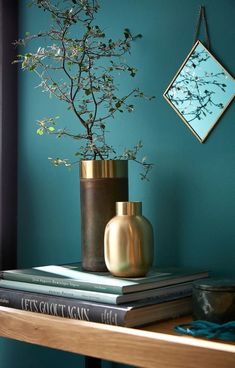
x: 131, y: 208
x: 97, y: 169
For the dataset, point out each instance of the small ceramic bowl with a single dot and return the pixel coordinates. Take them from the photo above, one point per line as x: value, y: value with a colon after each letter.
x: 214, y: 300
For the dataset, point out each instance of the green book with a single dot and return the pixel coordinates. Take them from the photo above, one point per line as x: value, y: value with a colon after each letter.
x: 72, y: 276
x: 167, y: 292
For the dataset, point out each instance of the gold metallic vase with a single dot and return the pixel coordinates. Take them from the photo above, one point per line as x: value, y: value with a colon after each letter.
x: 128, y: 241
x: 102, y: 184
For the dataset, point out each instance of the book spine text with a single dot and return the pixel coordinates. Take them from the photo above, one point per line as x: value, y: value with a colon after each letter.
x: 62, y: 307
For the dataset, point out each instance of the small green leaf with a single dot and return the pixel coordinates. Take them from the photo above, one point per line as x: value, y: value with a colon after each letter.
x: 32, y: 67
x: 87, y: 92
x: 40, y: 131
x: 118, y: 104
x: 51, y: 129
x: 127, y: 33
x: 130, y: 108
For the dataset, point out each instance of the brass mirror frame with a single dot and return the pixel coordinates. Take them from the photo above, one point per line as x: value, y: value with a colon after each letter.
x: 175, y: 77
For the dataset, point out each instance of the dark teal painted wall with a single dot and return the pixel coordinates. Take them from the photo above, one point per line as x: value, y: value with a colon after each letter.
x: 190, y: 199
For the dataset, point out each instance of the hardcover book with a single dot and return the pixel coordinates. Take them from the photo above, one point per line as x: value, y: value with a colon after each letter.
x: 74, y: 277
x: 128, y: 315
x: 183, y: 289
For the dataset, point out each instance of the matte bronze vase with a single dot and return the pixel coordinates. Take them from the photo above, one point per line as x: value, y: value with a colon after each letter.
x: 102, y: 184
x: 128, y: 241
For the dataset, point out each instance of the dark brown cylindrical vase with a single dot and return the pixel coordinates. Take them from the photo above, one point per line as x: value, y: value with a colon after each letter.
x: 102, y: 184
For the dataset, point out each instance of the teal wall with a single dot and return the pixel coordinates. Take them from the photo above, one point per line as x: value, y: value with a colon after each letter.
x: 190, y: 198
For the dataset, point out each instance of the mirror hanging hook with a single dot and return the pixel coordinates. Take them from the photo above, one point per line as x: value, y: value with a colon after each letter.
x: 202, y: 17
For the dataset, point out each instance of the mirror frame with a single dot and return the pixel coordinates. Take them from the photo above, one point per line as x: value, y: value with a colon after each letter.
x: 175, y: 108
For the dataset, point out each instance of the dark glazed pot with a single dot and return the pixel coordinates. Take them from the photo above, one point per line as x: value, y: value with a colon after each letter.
x: 214, y: 300
x: 102, y: 184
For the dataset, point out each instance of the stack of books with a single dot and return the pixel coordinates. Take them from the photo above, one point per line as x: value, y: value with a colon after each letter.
x: 69, y: 291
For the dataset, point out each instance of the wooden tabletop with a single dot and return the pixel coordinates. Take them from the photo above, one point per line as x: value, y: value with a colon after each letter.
x: 156, y: 346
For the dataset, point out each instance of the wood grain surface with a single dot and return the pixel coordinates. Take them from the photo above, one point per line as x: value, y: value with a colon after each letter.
x: 154, y: 346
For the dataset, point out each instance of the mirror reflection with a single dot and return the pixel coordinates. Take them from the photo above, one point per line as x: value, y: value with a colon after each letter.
x: 201, y: 91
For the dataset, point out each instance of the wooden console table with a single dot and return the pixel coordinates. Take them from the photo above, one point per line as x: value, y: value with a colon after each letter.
x: 155, y: 346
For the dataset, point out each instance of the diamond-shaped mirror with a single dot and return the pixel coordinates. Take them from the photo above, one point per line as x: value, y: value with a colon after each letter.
x: 201, y: 91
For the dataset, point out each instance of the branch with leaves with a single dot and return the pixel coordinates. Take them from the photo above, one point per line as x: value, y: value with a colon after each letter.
x: 78, y: 66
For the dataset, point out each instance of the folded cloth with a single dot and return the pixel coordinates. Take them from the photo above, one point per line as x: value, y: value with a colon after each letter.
x: 210, y: 330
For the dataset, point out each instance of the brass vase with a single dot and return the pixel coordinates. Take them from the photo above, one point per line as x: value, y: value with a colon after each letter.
x: 102, y: 184
x: 128, y: 241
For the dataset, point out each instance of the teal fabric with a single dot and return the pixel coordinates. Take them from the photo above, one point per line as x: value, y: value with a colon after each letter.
x: 190, y: 198
x: 209, y: 330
